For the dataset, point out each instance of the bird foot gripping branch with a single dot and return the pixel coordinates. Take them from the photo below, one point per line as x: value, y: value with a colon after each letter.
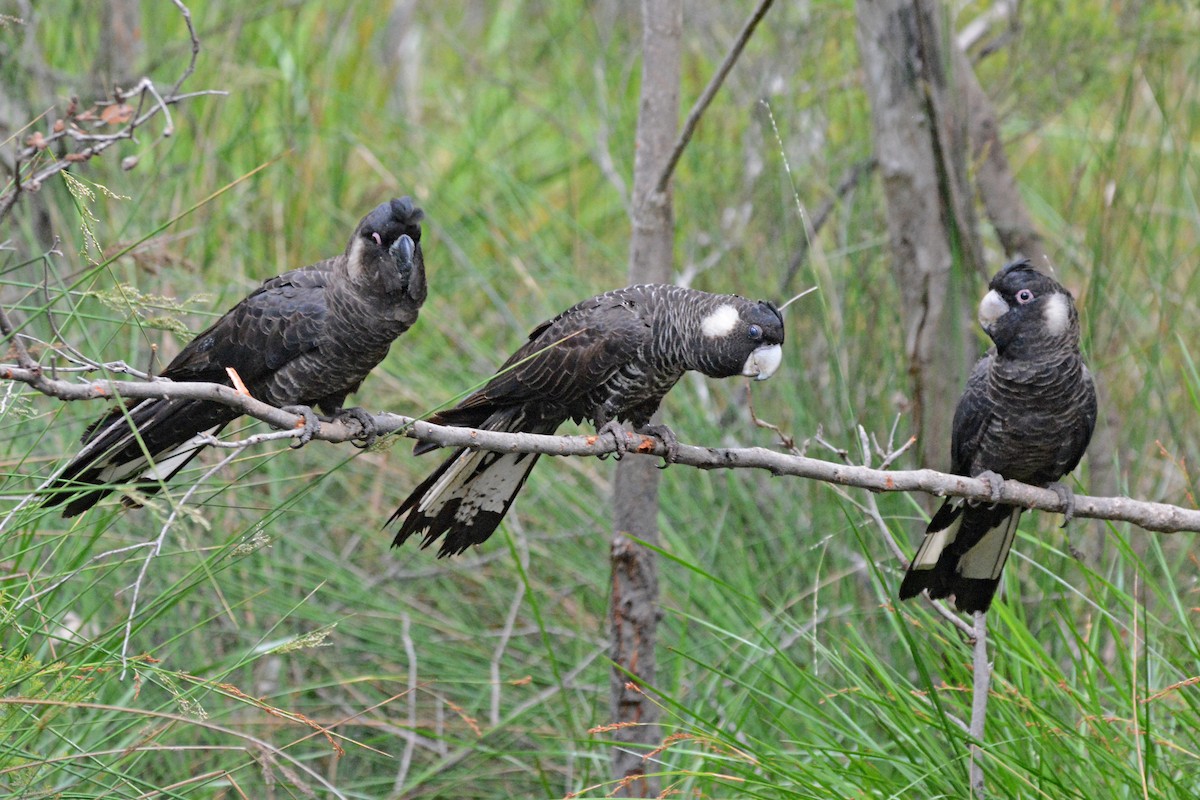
x: 308, y: 424
x: 1066, y: 496
x: 650, y: 435
x: 357, y: 416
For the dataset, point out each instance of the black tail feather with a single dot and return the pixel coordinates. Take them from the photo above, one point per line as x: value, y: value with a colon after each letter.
x: 972, y: 544
x: 133, y: 446
x: 464, y: 499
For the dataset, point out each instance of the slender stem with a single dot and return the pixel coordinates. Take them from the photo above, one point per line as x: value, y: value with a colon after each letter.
x: 979, y: 700
x: 710, y: 91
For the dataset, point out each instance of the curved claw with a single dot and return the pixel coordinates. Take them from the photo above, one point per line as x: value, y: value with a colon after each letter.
x: 311, y: 425
x: 614, y: 429
x: 367, y: 434
x: 1066, y: 496
x: 995, y: 484
x: 667, y: 437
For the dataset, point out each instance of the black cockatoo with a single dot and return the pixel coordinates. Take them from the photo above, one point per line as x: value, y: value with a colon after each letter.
x: 1027, y: 414
x: 305, y: 338
x: 610, y: 358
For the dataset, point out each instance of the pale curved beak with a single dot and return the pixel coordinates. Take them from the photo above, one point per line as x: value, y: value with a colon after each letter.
x: 763, y: 362
x: 991, y: 308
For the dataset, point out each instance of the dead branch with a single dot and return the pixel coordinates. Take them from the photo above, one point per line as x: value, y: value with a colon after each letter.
x: 850, y: 179
x: 980, y: 690
x: 710, y: 91
x: 77, y: 130
x: 1152, y: 516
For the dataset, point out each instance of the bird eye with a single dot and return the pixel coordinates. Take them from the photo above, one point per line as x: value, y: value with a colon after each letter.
x: 1024, y: 296
x: 375, y: 236
x: 755, y: 332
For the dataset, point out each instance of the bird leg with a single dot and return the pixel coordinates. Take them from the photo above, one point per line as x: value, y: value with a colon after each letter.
x: 615, y: 430
x: 1066, y: 496
x: 666, y: 436
x: 365, y: 422
x: 312, y: 423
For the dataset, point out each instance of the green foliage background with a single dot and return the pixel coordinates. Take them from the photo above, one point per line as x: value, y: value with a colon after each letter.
x: 276, y: 622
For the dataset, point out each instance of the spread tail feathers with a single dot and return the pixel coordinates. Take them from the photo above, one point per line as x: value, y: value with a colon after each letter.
x: 963, y: 554
x: 465, y: 499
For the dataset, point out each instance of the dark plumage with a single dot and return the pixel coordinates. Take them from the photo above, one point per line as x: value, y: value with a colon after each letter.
x: 1027, y: 414
x: 609, y: 358
x: 305, y: 338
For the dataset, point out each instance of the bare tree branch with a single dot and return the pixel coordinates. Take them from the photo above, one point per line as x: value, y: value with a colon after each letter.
x: 710, y: 91
x: 71, y: 126
x: 850, y: 179
x: 981, y: 686
x: 1153, y: 516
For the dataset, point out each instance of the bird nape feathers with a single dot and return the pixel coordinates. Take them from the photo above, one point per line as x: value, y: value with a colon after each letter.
x: 608, y: 359
x: 304, y: 338
x: 1027, y: 414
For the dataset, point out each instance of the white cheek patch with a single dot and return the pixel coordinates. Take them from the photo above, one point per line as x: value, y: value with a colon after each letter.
x: 354, y: 259
x: 991, y: 308
x: 720, y: 322
x: 1057, y: 314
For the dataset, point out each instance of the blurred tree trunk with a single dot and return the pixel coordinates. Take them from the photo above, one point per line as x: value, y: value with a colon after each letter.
x: 119, y: 52
x: 920, y: 134
x: 633, y: 610
x: 403, y: 59
x: 997, y: 187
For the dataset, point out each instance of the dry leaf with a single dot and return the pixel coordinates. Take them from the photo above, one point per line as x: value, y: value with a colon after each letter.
x: 117, y: 114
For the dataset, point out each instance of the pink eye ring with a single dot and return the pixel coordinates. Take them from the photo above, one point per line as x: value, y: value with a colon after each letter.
x: 1024, y: 296
x: 375, y: 236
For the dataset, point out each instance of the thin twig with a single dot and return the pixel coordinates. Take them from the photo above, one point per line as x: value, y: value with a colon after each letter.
x: 871, y: 508
x: 58, y: 342
x: 81, y: 568
x: 169, y: 125
x: 892, y: 456
x: 510, y: 622
x: 706, y: 97
x: 850, y: 179
x: 93, y: 144
x: 7, y: 331
x: 191, y: 67
x: 410, y: 745
x: 785, y: 440
x: 980, y: 688
x: 155, y: 549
